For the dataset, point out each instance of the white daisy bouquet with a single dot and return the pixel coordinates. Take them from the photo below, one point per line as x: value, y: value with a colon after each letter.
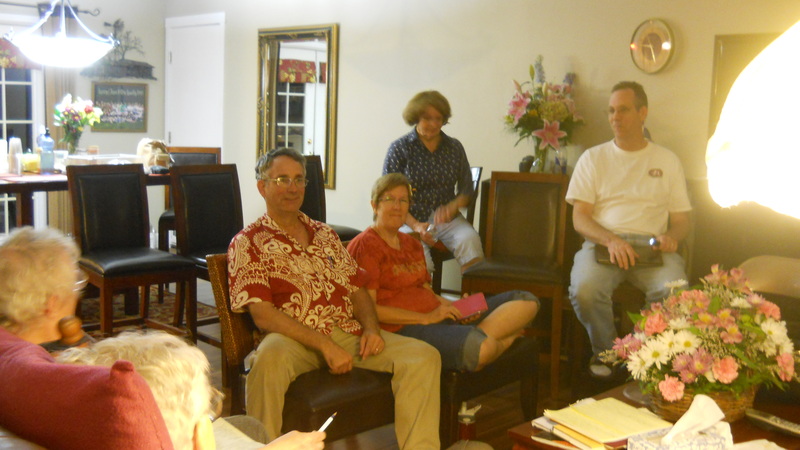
x: 720, y: 336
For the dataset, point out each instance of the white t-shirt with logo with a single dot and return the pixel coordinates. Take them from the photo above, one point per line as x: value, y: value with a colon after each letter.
x: 632, y: 192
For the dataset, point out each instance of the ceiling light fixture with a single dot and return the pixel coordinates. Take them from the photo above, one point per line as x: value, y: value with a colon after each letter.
x: 61, y: 50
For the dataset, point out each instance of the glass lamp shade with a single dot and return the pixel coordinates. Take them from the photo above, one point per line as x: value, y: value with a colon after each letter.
x: 754, y: 154
x: 62, y: 51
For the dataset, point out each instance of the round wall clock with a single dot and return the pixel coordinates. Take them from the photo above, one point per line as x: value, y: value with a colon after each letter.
x: 652, y: 46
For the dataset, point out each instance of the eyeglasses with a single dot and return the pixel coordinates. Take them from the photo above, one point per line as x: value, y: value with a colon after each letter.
x: 285, y: 182
x: 81, y: 280
x: 395, y: 201
x: 215, y: 407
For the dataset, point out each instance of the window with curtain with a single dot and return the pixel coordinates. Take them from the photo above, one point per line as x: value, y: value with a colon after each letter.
x: 21, y: 107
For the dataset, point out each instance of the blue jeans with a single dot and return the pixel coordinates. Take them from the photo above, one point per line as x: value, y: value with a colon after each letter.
x: 592, y: 285
x: 458, y: 236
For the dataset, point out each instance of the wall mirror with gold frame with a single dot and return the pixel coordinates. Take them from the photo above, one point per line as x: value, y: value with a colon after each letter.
x: 298, y: 80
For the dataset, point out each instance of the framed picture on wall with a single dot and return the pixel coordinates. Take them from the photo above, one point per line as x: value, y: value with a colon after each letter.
x: 124, y: 106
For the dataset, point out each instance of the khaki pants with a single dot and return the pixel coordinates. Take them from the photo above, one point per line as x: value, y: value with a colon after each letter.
x: 414, y: 364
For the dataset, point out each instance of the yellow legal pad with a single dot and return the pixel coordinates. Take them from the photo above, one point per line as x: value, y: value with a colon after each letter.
x: 607, y: 420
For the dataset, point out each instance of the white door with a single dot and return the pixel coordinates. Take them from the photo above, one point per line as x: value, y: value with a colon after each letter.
x: 195, y: 51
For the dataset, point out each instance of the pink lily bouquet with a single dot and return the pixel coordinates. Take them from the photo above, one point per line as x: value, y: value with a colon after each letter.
x: 720, y: 336
x: 543, y: 112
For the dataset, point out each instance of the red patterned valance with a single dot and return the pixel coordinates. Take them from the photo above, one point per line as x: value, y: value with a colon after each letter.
x: 12, y: 58
x: 296, y: 71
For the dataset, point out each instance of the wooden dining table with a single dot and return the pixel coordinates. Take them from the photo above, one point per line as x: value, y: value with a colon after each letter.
x: 25, y: 185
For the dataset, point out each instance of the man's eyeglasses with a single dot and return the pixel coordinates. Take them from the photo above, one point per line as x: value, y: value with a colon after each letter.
x: 285, y: 182
x: 395, y: 201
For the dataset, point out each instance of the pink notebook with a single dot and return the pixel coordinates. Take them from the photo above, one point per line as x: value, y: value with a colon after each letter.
x: 469, y: 306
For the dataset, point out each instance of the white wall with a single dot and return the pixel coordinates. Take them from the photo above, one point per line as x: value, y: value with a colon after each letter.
x: 147, y: 24
x: 470, y: 50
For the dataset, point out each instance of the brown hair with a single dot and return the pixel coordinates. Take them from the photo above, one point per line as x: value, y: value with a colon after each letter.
x: 417, y: 105
x: 639, y: 97
x: 386, y: 183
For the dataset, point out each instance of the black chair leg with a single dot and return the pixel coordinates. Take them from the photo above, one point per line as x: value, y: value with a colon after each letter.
x: 448, y: 428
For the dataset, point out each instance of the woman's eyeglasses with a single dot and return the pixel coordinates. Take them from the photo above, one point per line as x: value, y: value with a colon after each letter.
x: 81, y: 280
x: 395, y: 201
x: 215, y: 408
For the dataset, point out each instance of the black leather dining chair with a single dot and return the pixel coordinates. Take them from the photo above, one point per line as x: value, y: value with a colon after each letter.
x: 182, y: 156
x: 525, y: 234
x: 112, y: 229
x: 314, y: 205
x: 208, y: 214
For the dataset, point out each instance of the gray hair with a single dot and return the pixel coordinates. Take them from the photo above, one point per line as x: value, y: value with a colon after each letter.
x: 25, y: 256
x: 175, y: 371
x: 265, y: 161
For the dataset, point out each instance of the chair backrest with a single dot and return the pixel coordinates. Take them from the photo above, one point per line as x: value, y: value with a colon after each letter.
x: 186, y: 156
x: 773, y: 275
x: 109, y: 206
x: 526, y: 218
x: 236, y: 329
x: 476, y: 184
x: 182, y: 156
x: 314, y: 201
x: 208, y: 207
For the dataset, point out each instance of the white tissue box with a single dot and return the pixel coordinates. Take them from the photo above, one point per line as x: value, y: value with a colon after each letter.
x: 652, y: 441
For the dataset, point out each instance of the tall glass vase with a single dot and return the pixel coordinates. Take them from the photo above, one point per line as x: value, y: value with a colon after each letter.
x: 72, y: 142
x: 539, y: 157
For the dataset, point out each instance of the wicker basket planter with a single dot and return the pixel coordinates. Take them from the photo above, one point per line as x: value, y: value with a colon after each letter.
x: 731, y: 405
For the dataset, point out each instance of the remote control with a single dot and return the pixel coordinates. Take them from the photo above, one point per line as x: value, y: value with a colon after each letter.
x: 770, y: 421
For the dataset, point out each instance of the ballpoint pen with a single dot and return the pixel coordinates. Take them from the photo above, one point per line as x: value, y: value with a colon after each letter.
x: 327, y: 422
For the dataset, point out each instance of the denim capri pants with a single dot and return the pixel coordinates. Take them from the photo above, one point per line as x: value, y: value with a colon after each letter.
x: 460, y: 345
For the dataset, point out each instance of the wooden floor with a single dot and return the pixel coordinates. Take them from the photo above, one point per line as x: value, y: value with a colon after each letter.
x: 500, y: 409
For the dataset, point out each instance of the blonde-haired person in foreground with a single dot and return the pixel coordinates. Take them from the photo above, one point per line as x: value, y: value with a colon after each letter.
x: 178, y: 376
x: 32, y: 304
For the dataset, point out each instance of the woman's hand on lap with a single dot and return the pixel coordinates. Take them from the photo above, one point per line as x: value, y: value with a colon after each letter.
x: 444, y: 312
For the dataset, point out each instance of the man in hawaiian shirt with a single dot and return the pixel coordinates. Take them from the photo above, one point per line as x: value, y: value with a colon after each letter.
x: 305, y: 293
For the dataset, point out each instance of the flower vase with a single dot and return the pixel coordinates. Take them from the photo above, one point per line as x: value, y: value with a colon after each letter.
x: 732, y: 405
x: 539, y: 157
x: 72, y: 142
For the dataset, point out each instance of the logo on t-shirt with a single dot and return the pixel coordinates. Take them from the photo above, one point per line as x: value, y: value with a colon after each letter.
x: 655, y: 173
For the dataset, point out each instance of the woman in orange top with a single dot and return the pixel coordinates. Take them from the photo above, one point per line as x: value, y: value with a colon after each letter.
x: 400, y: 285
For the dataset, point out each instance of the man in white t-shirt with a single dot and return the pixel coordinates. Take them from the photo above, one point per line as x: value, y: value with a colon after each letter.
x: 625, y: 192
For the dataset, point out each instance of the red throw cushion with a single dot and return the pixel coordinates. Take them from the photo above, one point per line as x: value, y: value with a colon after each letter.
x: 75, y: 407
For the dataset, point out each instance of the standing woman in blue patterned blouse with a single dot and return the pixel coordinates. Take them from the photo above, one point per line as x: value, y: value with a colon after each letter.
x: 439, y: 172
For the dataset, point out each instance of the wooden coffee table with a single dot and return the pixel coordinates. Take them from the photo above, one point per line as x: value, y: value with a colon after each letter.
x: 742, y: 430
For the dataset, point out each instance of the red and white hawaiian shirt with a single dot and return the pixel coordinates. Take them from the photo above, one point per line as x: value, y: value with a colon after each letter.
x: 310, y: 285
